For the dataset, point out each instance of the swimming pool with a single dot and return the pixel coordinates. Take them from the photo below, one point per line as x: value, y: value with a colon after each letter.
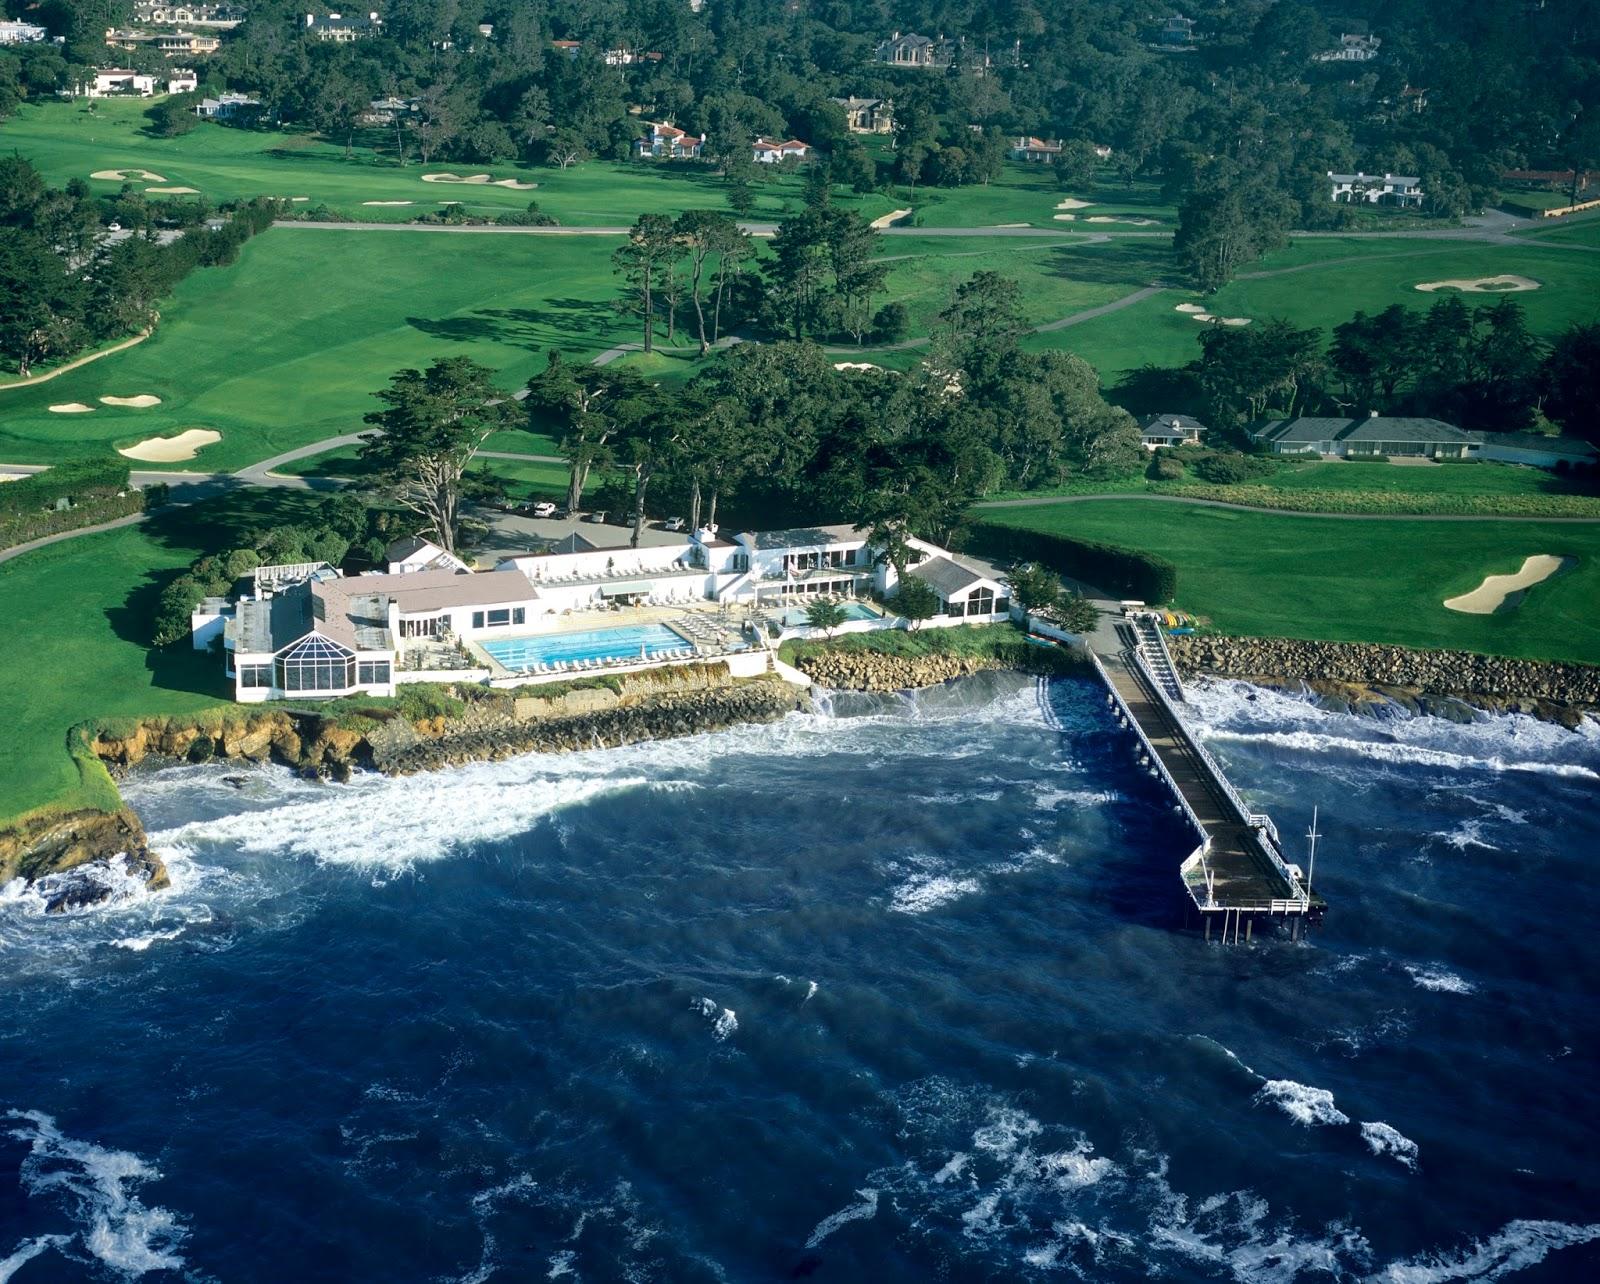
x: 795, y: 616
x: 623, y: 643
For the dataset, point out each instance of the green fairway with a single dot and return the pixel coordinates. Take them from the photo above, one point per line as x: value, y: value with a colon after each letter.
x: 1580, y: 229
x: 1026, y: 193
x: 1473, y: 478
x: 288, y: 346
x: 524, y: 478
x: 67, y: 141
x: 1352, y: 580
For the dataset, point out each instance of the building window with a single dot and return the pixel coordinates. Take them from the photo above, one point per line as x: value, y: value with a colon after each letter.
x: 955, y: 608
x: 316, y: 664
x: 477, y: 619
x: 980, y: 602
x: 255, y: 676
x: 519, y: 615
x: 372, y: 672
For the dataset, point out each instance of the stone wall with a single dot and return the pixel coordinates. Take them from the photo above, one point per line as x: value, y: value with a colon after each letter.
x: 1485, y: 680
x: 865, y: 670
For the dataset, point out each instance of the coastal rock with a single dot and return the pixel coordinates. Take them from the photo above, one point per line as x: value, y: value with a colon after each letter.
x: 51, y: 845
x: 1363, y: 676
x: 875, y: 671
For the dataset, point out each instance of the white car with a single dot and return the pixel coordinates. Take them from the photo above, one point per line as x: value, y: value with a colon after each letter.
x: 674, y: 524
x: 544, y: 508
x: 113, y: 227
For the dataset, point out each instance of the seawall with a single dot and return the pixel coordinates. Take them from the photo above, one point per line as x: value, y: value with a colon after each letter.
x: 1360, y: 674
x: 868, y: 670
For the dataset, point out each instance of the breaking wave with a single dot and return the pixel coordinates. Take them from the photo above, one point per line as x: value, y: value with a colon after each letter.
x: 1517, y: 1246
x: 1305, y: 1105
x: 1384, y: 1140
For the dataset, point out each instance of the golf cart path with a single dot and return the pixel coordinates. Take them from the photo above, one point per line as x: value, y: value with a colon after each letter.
x: 1045, y: 500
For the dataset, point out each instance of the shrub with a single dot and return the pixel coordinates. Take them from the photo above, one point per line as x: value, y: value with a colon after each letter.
x: 1227, y: 470
x: 1035, y: 588
x: 21, y: 528
x: 77, y: 480
x: 1078, y: 614
x: 891, y: 324
x: 533, y: 216
x: 1125, y: 572
x: 1164, y: 468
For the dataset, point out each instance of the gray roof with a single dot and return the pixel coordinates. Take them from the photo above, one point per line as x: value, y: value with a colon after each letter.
x: 948, y: 576
x: 1166, y: 425
x: 439, y: 590
x: 404, y: 548
x: 804, y: 537
x: 1376, y: 428
x: 574, y: 543
x: 1572, y: 447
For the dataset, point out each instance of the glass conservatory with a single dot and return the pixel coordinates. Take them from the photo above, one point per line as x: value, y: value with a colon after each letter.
x: 316, y: 665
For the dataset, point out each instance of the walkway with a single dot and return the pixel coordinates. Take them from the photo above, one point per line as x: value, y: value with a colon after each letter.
x: 1046, y: 500
x: 17, y: 550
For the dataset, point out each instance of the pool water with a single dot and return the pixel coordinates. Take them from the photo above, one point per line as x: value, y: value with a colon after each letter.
x: 795, y: 616
x: 595, y: 644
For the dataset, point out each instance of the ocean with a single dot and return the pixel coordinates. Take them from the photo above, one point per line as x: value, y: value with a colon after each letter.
x: 897, y: 990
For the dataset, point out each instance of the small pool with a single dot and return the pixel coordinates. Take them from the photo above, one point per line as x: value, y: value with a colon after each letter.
x: 624, y: 643
x: 794, y: 617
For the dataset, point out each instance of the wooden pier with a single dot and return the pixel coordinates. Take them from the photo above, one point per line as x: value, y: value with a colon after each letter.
x: 1238, y: 874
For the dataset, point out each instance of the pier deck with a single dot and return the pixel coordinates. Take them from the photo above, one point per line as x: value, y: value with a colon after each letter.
x: 1238, y: 873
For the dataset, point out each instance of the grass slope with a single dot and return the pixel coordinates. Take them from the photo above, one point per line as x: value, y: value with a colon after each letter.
x: 287, y: 346
x: 66, y: 140
x: 1352, y: 581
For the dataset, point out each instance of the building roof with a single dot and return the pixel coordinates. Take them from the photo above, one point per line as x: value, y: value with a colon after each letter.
x: 857, y: 104
x: 948, y: 576
x: 1397, y: 179
x: 1571, y: 447
x: 437, y: 590
x: 771, y: 145
x: 1031, y: 144
x: 1167, y: 424
x: 803, y: 537
x: 1376, y: 428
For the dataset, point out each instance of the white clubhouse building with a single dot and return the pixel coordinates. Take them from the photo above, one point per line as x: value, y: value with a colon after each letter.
x: 306, y: 631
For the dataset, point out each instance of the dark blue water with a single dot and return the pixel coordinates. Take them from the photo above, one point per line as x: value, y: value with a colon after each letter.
x: 889, y: 994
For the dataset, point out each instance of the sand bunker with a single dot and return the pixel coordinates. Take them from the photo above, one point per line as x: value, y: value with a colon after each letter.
x: 142, y: 402
x: 1071, y: 203
x: 890, y: 219
x: 1505, y: 284
x: 170, y: 450
x: 172, y: 191
x: 388, y: 202
x: 70, y: 408
x: 1504, y: 592
x: 128, y: 176
x: 515, y: 184
x: 855, y: 365
x: 1111, y: 218
x: 1200, y: 314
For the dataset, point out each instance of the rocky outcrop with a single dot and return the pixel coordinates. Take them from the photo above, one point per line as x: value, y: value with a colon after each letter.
x: 862, y: 669
x: 61, y: 847
x: 652, y: 717
x: 1439, y: 682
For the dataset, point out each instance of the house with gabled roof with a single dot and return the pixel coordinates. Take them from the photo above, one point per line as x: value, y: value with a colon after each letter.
x: 1156, y: 431
x: 1377, y: 435
x: 767, y: 151
x: 867, y: 115
x: 668, y: 142
x: 1036, y: 150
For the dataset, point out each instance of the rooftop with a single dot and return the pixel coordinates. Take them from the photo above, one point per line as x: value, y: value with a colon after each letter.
x: 947, y: 575
x: 804, y: 537
x: 1376, y: 428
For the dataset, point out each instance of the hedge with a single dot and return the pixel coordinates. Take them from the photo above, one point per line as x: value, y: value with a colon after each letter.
x: 31, y: 526
x: 76, y: 479
x: 1123, y: 571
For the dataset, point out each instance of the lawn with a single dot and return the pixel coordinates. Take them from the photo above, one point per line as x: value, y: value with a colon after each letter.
x: 67, y: 140
x: 1478, y: 477
x: 1352, y: 580
x: 1323, y: 281
x: 1029, y: 194
x: 287, y: 346
x: 1578, y: 229
x: 525, y: 479
x: 74, y: 646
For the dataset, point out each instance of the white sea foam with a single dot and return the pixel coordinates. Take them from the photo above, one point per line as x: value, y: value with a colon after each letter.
x: 561, y: 1264
x: 1440, y: 979
x: 29, y: 1249
x: 1515, y: 1247
x: 723, y: 1020
x: 1409, y: 754
x: 1469, y: 833
x: 863, y: 1211
x: 96, y: 1186
x: 1385, y: 1140
x: 953, y: 1167
x: 1305, y: 1105
x: 923, y: 892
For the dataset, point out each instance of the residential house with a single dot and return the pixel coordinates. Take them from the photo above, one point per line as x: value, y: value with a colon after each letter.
x: 1371, y: 189
x: 185, y: 43
x: 229, y: 106
x: 867, y: 115
x: 912, y: 50
x: 667, y: 142
x: 20, y: 33
x: 625, y: 57
x: 1549, y: 180
x: 388, y: 109
x: 1176, y: 31
x: 118, y: 81
x: 1038, y: 150
x: 1376, y: 435
x: 161, y: 14
x: 182, y: 80
x: 1156, y: 431
x: 1537, y: 450
x: 769, y: 152
x: 340, y: 29
x: 568, y: 47
x: 1352, y: 47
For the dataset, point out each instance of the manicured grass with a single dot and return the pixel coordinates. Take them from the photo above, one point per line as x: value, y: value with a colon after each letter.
x: 1029, y: 194
x: 65, y: 140
x: 1352, y: 580
x: 1577, y: 229
x: 522, y: 443
x: 287, y: 346
x: 525, y: 478
x: 1477, y: 477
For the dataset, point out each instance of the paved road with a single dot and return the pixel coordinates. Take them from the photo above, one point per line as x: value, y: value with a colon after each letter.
x: 17, y: 550
x: 1045, y: 500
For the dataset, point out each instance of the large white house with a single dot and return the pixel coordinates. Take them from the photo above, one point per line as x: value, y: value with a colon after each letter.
x: 109, y: 81
x: 1352, y: 47
x: 1389, y: 189
x: 305, y: 631
x: 20, y: 33
x: 770, y: 151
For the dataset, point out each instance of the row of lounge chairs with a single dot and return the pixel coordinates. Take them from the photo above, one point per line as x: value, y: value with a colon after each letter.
x: 605, y: 662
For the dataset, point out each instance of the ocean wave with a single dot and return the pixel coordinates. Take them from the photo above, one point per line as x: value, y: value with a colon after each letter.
x: 1390, y: 751
x: 1304, y: 1104
x: 1439, y: 979
x: 1469, y: 833
x: 724, y: 1021
x: 96, y: 1187
x: 1515, y: 1247
x: 863, y: 1211
x: 923, y: 892
x: 1384, y: 1140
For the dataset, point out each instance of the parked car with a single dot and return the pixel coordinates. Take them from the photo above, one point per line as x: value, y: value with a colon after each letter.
x: 674, y: 524
x: 113, y: 227
x: 543, y: 508
x: 598, y: 516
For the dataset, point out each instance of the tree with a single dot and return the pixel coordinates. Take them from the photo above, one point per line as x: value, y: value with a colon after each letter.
x: 1035, y: 588
x: 1572, y: 379
x: 432, y: 424
x: 648, y: 444
x: 1075, y: 166
x: 914, y: 600
x: 825, y: 614
x: 173, y: 116
x: 1220, y: 228
x: 983, y: 321
x: 651, y: 250
x: 436, y: 120
x: 41, y: 302
x: 1078, y: 614
x: 585, y: 408
x: 705, y: 233
x: 565, y: 146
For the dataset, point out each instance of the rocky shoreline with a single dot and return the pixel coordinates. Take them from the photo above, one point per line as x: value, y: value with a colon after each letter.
x: 867, y: 670
x: 1363, y: 676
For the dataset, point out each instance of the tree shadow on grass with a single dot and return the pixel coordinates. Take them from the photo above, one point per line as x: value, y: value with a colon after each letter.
x: 533, y: 328
x: 1134, y: 263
